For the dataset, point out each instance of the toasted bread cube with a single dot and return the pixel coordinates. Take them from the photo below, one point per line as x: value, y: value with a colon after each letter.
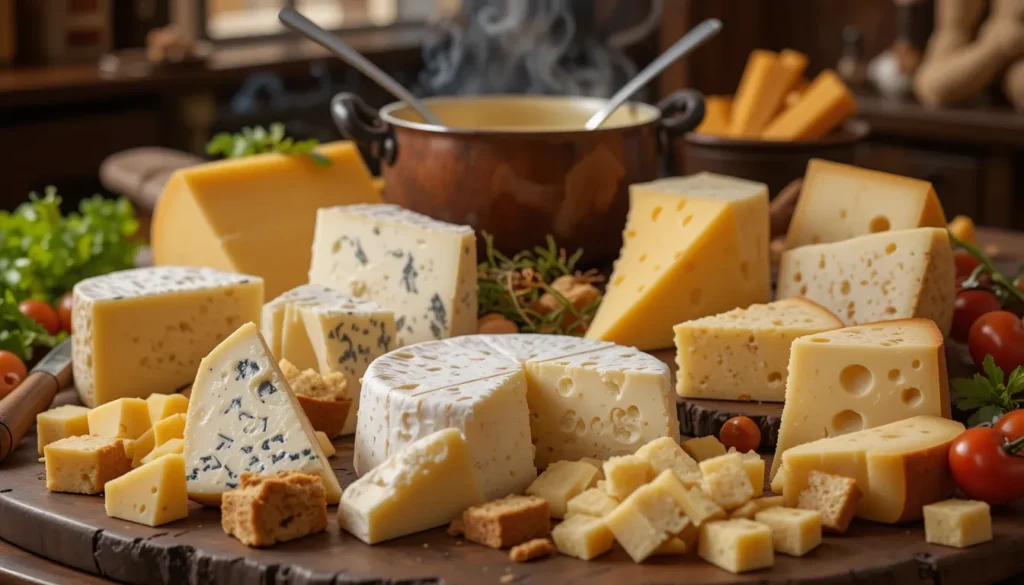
x: 957, y: 523
x: 84, y: 465
x: 267, y: 509
x: 60, y: 423
x: 507, y: 522
x: 561, y: 482
x: 624, y: 474
x: 700, y: 508
x: 834, y: 496
x: 795, y: 532
x: 583, y: 537
x: 664, y: 453
x: 530, y: 550
x: 703, y: 448
x: 754, y: 506
x: 650, y: 516
x: 593, y: 502
x: 124, y: 418
x: 737, y: 545
x: 729, y: 485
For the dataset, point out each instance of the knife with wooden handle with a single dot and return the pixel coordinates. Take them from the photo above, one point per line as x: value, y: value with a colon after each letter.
x: 18, y: 409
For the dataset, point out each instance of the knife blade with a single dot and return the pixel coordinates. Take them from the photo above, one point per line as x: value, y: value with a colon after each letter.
x: 18, y: 409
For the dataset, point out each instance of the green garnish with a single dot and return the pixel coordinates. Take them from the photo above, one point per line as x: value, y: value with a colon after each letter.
x: 1000, y: 285
x: 19, y: 334
x: 513, y: 287
x: 259, y: 140
x: 989, y: 396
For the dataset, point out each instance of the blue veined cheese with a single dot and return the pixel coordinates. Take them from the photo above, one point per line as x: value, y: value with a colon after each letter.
x: 144, y: 331
x: 243, y: 417
x: 282, y: 326
x: 421, y: 268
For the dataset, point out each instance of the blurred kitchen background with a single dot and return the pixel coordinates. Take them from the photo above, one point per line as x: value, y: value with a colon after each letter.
x: 83, y: 79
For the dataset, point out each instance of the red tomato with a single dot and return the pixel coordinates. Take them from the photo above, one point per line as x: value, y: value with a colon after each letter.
x: 1011, y: 424
x: 965, y: 264
x: 41, y: 313
x: 740, y: 432
x: 12, y: 372
x: 1001, y: 334
x: 968, y: 307
x: 64, y: 311
x: 986, y: 467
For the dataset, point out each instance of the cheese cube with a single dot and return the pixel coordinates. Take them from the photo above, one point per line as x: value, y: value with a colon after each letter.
x: 839, y: 202
x: 60, y: 423
x: 84, y: 465
x: 729, y: 485
x: 171, y: 447
x: 795, y: 532
x: 743, y: 354
x: 421, y: 268
x: 592, y: 502
x: 862, y: 377
x: 750, y: 462
x: 388, y: 502
x: 779, y: 481
x: 561, y: 482
x: 957, y: 523
x: 244, y: 418
x: 145, y: 330
x: 899, y: 467
x: 766, y: 81
x: 737, y: 546
x: 599, y: 464
x: 699, y: 507
x: 325, y: 444
x: 583, y: 537
x: 153, y: 494
x: 162, y: 406
x: 172, y: 427
x: 702, y: 448
x: 665, y: 453
x: 671, y: 547
x: 693, y: 246
x: 142, y: 446
x: 825, y: 104
x: 912, y: 269
x: 124, y: 418
x: 751, y: 508
x: 256, y: 214
x: 625, y: 473
x: 649, y: 517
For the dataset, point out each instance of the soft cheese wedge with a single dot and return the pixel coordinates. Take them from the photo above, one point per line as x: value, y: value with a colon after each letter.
x: 145, y: 330
x: 839, y: 202
x: 255, y: 215
x: 862, y: 377
x: 693, y: 246
x: 426, y: 484
x: 899, y: 467
x: 743, y: 354
x: 878, y: 277
x: 569, y: 397
x: 421, y: 268
x: 243, y: 417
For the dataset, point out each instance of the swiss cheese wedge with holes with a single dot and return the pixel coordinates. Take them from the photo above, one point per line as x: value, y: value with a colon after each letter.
x: 743, y: 354
x: 878, y: 277
x: 693, y: 246
x: 862, y: 377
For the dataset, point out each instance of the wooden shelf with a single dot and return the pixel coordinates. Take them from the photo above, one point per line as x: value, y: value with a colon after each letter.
x: 989, y: 126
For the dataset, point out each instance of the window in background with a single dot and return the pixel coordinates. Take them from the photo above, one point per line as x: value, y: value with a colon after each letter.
x: 232, y: 19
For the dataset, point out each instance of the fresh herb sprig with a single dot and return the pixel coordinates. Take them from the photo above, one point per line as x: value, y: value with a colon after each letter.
x: 989, y: 396
x: 512, y: 287
x: 259, y: 140
x: 19, y: 334
x: 997, y: 283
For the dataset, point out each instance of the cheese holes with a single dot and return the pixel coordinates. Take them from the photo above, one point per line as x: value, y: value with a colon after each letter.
x: 879, y: 223
x: 407, y: 387
x: 916, y: 364
x: 680, y: 205
x: 798, y: 277
x: 565, y: 386
x: 618, y: 279
x: 890, y: 248
x: 631, y: 234
x: 895, y: 375
x: 844, y: 287
x: 911, y: 396
x: 774, y: 379
x: 842, y: 214
x: 820, y: 340
x: 856, y: 379
x: 656, y: 213
x: 642, y: 258
x: 686, y: 220
x: 847, y: 421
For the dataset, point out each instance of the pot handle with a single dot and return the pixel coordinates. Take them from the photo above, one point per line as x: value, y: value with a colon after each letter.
x: 361, y: 124
x: 681, y: 112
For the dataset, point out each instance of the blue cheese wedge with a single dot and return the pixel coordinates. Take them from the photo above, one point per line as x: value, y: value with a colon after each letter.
x: 421, y: 268
x: 243, y: 417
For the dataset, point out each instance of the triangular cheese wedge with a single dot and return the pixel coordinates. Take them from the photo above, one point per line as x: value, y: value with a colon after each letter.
x: 693, y: 246
x: 743, y: 354
x: 862, y: 377
x: 243, y: 417
x: 153, y: 494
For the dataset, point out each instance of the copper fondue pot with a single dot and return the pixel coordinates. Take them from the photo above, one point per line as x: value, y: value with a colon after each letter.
x: 521, y: 167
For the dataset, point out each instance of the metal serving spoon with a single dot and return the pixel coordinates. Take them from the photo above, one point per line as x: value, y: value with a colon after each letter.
x: 690, y: 41
x: 296, y: 21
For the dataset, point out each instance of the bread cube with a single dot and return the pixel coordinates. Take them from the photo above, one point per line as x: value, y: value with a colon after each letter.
x: 729, y: 485
x: 834, y: 496
x: 507, y: 522
x: 84, y: 465
x: 267, y: 509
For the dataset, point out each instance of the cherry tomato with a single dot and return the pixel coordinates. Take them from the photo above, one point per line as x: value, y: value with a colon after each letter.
x: 1019, y: 282
x: 64, y: 311
x: 1011, y: 424
x: 12, y: 372
x: 985, y: 468
x: 1001, y: 334
x: 41, y: 313
x: 965, y: 264
x: 968, y: 307
x: 740, y: 432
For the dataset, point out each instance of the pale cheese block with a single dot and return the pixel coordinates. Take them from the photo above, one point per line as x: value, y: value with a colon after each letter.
x: 426, y: 484
x: 838, y: 202
x: 862, y: 377
x: 256, y: 214
x: 162, y: 406
x: 743, y: 354
x: 957, y: 523
x: 243, y: 417
x: 60, y: 423
x: 153, y: 494
x: 877, y: 277
x: 421, y: 268
x: 693, y: 246
x: 899, y: 467
x: 145, y: 330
